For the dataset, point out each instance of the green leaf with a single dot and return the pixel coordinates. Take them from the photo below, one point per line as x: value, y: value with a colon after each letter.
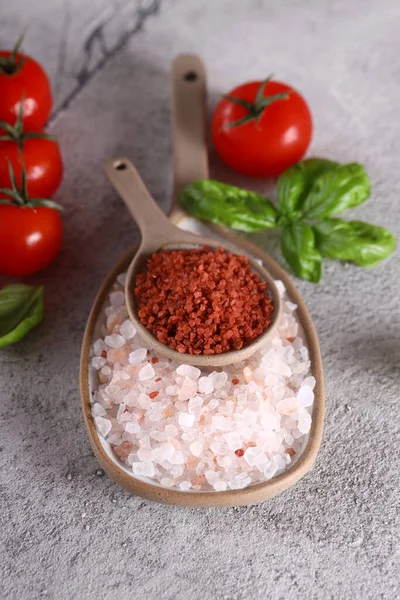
x: 298, y: 248
x: 21, y: 309
x: 336, y: 190
x: 228, y: 205
x: 354, y: 241
x: 295, y: 183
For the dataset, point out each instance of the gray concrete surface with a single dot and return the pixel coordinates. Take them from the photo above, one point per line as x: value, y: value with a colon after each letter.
x: 67, y: 530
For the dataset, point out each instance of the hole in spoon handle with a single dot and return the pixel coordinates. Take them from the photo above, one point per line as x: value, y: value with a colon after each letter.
x: 151, y: 220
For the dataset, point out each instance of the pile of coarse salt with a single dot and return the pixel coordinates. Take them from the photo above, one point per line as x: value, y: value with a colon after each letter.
x: 195, y: 429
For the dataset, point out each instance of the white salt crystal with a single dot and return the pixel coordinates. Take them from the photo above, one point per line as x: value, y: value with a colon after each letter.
x: 146, y: 372
x: 310, y: 381
x: 233, y: 440
x: 159, y: 436
x: 127, y: 329
x: 270, y: 470
x: 247, y: 374
x: 172, y: 390
x: 185, y: 485
x: 103, y: 425
x: 189, y: 372
x: 144, y: 401
x: 115, y: 341
x: 164, y: 452
x: 270, y: 421
x: 186, y: 419
x: 132, y: 427
x: 279, y: 461
x: 281, y: 288
x: 205, y: 385
x: 305, y: 397
x: 218, y: 379
x: 219, y: 447
x: 98, y: 410
x: 288, y: 406
x: 171, y: 430
x: 304, y: 421
x: 255, y: 456
x: 137, y: 356
x: 106, y: 370
x: 145, y: 454
x: 195, y: 405
x: 143, y: 469
x: 220, y: 422
x: 98, y: 362
x: 214, y: 403
x: 196, y: 448
x: 167, y: 482
x: 212, y: 477
x: 117, y: 298
x: 176, y: 471
x: 121, y: 278
x: 98, y: 347
x: 177, y: 459
x: 240, y: 482
x: 220, y: 486
x: 145, y: 442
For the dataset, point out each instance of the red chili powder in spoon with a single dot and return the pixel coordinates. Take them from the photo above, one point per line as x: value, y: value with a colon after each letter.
x: 202, y: 301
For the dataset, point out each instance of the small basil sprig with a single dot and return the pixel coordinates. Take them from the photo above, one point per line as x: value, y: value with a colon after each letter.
x: 21, y: 309
x: 308, y: 194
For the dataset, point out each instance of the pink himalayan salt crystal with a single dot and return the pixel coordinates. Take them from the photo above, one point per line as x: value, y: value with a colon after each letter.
x: 187, y: 389
x: 232, y: 427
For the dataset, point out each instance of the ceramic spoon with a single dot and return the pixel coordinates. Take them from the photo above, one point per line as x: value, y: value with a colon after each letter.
x: 159, y: 233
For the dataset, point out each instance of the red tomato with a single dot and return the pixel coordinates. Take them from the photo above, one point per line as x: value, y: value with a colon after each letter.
x: 30, y: 238
x: 274, y: 139
x: 29, y: 82
x: 43, y: 165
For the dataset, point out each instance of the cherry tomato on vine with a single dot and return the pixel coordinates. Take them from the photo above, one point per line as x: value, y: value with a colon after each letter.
x: 23, y: 77
x: 261, y: 128
x: 30, y: 231
x: 43, y: 165
x: 30, y: 238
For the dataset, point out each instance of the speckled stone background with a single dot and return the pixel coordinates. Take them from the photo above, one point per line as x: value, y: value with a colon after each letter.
x: 68, y: 532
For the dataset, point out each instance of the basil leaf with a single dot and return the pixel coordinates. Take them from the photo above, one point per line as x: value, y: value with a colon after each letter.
x: 228, y: 205
x: 295, y: 183
x: 361, y: 243
x: 21, y: 309
x: 298, y: 248
x: 336, y: 190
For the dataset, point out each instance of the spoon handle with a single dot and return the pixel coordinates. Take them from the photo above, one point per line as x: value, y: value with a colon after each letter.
x: 152, y: 222
x: 188, y: 78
